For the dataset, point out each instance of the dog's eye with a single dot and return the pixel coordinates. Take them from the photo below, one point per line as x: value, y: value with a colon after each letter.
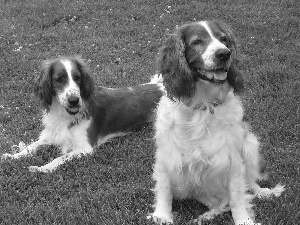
x: 77, y: 78
x: 197, y: 42
x: 223, y: 39
x: 59, y: 80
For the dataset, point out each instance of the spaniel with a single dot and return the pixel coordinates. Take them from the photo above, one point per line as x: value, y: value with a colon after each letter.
x: 78, y: 116
x: 204, y: 149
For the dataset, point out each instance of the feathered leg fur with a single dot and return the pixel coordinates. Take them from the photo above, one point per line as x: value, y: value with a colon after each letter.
x: 251, y: 159
x: 27, y: 151
x: 163, y: 196
x: 50, y: 167
x: 239, y: 201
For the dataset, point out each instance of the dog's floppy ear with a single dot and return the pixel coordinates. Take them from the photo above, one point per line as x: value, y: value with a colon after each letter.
x: 87, y: 84
x: 177, y: 75
x: 43, y: 84
x: 234, y: 76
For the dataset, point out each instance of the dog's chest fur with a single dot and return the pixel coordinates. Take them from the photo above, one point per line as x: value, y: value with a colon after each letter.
x: 65, y: 130
x: 199, y: 147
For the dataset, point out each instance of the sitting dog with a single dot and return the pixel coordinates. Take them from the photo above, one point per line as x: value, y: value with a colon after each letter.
x: 204, y: 148
x: 77, y: 116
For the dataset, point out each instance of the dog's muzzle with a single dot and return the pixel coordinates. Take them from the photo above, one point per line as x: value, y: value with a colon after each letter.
x: 73, y: 105
x: 218, y: 76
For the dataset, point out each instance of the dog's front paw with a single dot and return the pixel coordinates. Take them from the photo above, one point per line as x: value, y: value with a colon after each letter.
x: 210, y: 214
x: 205, y: 216
x: 17, y: 148
x: 35, y: 169
x: 266, y: 192
x: 247, y: 222
x: 6, y: 156
x: 278, y: 189
x: 159, y: 219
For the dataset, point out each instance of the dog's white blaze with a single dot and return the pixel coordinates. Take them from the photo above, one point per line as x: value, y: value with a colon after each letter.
x: 215, y: 44
x: 71, y: 88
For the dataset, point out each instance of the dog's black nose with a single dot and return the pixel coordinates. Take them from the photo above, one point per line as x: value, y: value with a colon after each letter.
x: 73, y: 100
x: 223, y: 54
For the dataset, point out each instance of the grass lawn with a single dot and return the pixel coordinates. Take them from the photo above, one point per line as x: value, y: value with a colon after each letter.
x: 112, y: 186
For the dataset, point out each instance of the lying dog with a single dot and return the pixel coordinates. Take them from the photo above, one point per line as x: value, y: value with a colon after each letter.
x: 78, y: 116
x: 204, y: 148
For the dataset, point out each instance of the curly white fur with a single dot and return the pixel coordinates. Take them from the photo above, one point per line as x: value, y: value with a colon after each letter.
x: 212, y: 157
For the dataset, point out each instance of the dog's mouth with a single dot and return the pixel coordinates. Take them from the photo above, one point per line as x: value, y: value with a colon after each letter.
x: 217, y: 76
x: 73, y: 110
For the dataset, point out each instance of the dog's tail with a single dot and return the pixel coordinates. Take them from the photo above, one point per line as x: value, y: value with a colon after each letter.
x: 156, y: 79
x: 252, y: 162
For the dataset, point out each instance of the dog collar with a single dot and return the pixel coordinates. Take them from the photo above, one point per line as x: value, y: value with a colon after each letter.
x: 211, y: 105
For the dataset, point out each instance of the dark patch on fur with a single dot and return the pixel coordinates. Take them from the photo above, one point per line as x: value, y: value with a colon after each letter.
x: 43, y: 85
x: 87, y: 84
x: 177, y: 76
x: 234, y: 77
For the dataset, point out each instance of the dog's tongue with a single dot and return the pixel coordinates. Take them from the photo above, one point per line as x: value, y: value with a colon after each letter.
x: 216, y: 75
